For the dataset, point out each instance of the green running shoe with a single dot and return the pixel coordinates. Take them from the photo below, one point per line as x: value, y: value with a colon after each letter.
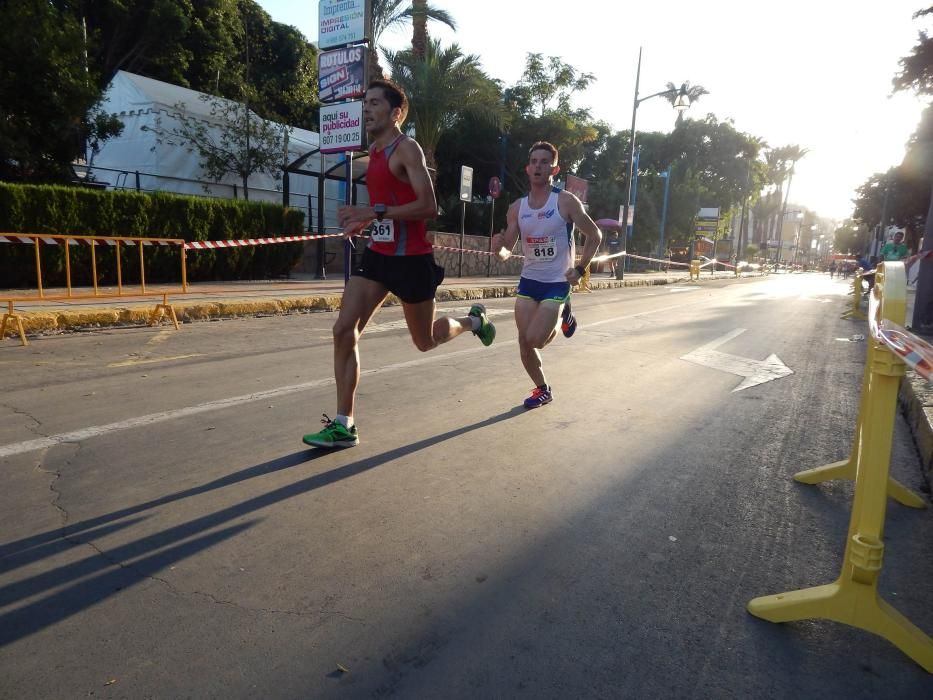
x: 334, y: 434
x: 487, y: 330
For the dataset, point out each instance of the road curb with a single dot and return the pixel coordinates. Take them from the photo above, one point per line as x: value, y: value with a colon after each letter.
x: 138, y: 313
x: 916, y: 400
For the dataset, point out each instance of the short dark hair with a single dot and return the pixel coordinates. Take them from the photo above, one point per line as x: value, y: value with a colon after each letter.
x: 544, y: 146
x: 394, y: 94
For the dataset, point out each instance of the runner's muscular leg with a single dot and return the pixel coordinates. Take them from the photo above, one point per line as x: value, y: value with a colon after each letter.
x: 360, y: 301
x: 532, y: 319
x: 426, y: 332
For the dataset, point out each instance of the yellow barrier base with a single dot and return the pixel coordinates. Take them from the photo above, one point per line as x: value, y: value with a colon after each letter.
x: 10, y: 316
x: 851, y: 603
x: 845, y: 469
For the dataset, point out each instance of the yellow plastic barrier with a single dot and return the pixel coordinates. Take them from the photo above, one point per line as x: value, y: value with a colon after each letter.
x: 853, y: 598
x: 856, y: 293
x: 694, y: 270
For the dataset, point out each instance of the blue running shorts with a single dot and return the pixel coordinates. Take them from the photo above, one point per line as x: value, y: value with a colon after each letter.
x: 543, y: 291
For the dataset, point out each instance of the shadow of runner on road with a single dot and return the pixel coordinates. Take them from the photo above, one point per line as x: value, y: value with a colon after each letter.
x: 31, y: 618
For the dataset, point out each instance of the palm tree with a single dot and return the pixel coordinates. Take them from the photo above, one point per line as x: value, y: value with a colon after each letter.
x: 442, y: 88
x: 388, y: 14
x: 694, y: 93
x: 788, y: 154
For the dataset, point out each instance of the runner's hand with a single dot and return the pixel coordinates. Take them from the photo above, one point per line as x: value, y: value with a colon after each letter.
x: 354, y: 215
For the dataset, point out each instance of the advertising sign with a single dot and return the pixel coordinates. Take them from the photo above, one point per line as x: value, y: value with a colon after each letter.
x: 577, y: 186
x: 342, y: 22
x: 342, y: 127
x: 466, y: 183
x: 342, y: 74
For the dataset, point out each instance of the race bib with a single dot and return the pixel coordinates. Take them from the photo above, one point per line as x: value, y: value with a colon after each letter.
x: 383, y: 231
x: 542, y: 247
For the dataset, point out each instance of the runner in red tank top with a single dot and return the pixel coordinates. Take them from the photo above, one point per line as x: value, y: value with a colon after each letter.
x: 398, y: 259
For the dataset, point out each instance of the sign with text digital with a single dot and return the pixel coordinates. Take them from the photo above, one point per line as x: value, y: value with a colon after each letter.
x: 342, y: 22
x: 342, y: 127
x: 341, y: 74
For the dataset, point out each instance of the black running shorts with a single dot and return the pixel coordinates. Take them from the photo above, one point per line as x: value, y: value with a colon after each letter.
x: 412, y: 278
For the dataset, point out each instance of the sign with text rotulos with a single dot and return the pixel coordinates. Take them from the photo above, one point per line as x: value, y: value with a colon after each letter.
x: 342, y: 73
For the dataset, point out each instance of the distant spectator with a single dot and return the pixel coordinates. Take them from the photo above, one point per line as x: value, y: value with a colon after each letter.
x: 832, y: 269
x: 896, y: 249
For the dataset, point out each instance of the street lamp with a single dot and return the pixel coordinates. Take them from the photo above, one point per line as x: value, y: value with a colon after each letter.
x: 681, y: 103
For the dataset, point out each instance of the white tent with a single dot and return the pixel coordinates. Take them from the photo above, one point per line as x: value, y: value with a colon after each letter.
x: 136, y: 160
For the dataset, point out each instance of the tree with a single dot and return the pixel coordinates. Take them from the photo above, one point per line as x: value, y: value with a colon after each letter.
x: 241, y: 143
x: 419, y: 29
x: 50, y: 97
x: 388, y: 14
x: 548, y: 85
x: 443, y: 88
x: 917, y: 68
x: 215, y: 46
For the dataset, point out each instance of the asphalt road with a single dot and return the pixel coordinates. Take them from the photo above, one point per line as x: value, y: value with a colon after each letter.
x: 164, y: 533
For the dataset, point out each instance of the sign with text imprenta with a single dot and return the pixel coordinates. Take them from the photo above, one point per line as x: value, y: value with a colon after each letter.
x: 342, y: 22
x: 341, y: 74
x: 342, y: 127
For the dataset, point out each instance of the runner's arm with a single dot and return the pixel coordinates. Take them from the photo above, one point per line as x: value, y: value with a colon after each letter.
x: 505, y: 240
x: 591, y: 233
x: 423, y: 207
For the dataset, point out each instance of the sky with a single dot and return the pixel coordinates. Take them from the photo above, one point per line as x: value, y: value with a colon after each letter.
x: 815, y: 73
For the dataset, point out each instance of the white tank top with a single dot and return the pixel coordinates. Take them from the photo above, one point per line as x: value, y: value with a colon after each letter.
x: 547, y: 241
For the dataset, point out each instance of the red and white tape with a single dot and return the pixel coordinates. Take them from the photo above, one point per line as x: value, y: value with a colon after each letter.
x: 245, y: 242
x: 60, y: 240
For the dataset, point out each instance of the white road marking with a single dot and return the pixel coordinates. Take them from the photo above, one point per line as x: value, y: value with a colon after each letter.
x: 220, y: 404
x: 151, y: 360
x: 754, y: 371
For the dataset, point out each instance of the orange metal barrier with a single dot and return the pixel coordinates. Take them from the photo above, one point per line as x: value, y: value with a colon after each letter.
x: 94, y: 242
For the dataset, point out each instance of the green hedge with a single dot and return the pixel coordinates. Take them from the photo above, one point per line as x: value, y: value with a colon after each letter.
x: 85, y: 212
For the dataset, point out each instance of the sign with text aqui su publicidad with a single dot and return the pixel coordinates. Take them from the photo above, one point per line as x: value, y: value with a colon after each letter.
x: 342, y: 127
x: 343, y: 22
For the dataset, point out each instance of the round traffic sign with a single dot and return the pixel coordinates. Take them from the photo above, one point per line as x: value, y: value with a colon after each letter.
x: 495, y: 187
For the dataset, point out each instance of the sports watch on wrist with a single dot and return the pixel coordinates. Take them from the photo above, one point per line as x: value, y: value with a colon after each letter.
x: 380, y: 210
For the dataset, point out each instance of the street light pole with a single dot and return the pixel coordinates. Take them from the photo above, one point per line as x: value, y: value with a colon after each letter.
x: 682, y: 103
x: 631, y: 157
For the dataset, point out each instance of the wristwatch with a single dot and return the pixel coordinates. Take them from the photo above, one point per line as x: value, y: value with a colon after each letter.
x: 380, y: 210
x: 580, y: 270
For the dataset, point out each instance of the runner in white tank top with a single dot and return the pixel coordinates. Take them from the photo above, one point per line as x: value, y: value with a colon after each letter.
x: 544, y: 220
x: 547, y: 240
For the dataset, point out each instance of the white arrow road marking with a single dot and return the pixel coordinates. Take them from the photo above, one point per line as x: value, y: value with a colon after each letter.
x: 754, y: 371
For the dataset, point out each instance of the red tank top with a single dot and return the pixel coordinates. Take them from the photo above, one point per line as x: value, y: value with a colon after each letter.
x: 410, y: 237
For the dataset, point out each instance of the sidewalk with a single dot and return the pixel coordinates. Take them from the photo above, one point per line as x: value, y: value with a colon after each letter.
x: 212, y: 300
x: 916, y: 399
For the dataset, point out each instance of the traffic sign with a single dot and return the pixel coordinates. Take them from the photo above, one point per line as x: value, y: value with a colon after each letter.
x: 495, y: 187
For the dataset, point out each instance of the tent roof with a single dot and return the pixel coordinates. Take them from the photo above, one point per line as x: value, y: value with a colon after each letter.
x: 129, y: 94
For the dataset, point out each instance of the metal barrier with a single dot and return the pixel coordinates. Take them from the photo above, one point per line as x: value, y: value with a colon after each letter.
x: 853, y: 597
x: 94, y: 242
